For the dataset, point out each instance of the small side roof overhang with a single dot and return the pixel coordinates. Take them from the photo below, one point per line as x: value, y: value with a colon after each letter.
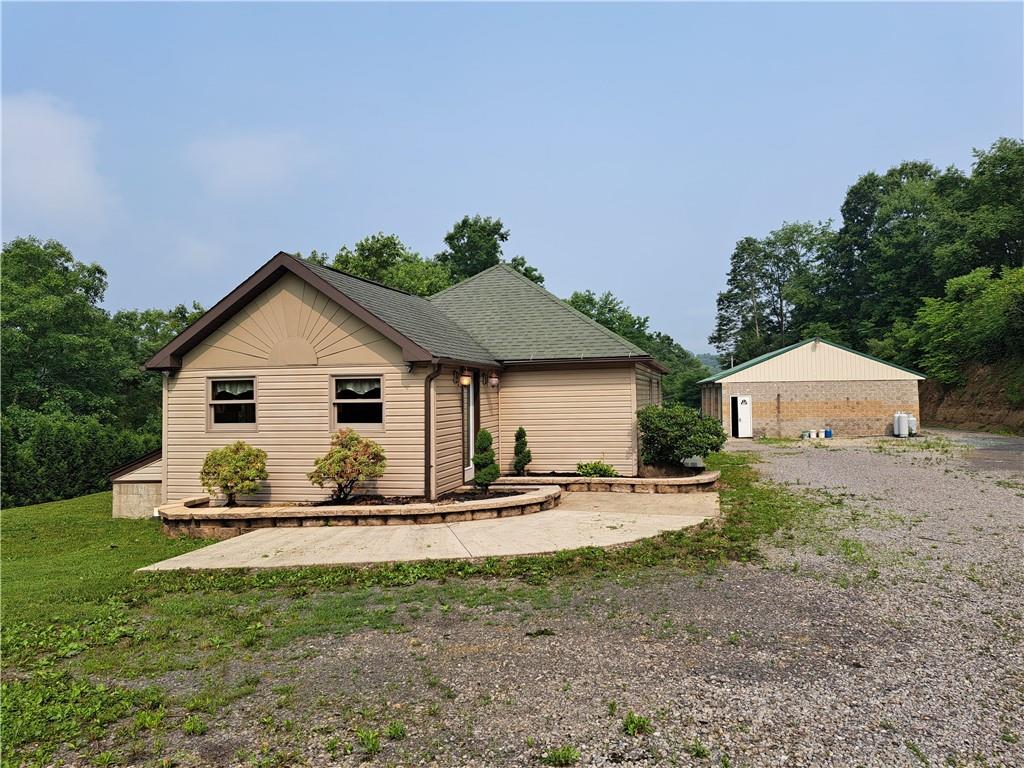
x: 131, y: 466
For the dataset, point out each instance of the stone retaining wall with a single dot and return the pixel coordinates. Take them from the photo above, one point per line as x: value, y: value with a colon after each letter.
x: 194, y: 517
x: 705, y: 481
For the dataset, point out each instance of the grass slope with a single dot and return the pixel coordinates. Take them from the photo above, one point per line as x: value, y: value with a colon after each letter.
x: 84, y: 637
x: 67, y: 557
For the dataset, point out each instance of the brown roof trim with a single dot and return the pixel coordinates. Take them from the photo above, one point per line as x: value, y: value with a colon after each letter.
x: 142, y: 461
x: 584, y: 362
x: 169, y: 357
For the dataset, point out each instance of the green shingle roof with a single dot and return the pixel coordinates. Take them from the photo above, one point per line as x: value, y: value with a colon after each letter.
x: 412, y: 316
x: 516, y: 320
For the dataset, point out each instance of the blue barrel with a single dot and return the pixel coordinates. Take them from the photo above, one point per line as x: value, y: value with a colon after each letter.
x: 828, y: 432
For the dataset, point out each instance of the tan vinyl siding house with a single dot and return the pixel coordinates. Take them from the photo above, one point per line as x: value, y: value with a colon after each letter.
x: 811, y: 385
x: 570, y: 416
x: 298, y: 350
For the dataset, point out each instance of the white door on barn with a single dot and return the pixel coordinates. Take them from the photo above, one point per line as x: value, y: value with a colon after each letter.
x: 744, y: 416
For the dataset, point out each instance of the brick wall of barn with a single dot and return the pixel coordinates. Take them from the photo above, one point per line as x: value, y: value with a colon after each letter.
x: 850, y: 408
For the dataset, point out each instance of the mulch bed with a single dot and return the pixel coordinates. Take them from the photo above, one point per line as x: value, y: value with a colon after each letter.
x: 449, y: 498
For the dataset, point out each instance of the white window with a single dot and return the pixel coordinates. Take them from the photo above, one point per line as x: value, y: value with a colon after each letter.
x: 232, y: 403
x: 358, y: 402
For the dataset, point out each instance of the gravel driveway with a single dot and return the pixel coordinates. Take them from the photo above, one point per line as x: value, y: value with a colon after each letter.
x: 884, y: 630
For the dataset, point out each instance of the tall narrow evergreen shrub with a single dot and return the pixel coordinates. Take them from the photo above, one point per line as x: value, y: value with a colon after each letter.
x: 522, y: 453
x: 485, y: 471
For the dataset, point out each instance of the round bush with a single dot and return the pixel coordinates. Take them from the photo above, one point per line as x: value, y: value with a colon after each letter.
x: 671, y: 434
x: 352, y: 458
x: 234, y: 469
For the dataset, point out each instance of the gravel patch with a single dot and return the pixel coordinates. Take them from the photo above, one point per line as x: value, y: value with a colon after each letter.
x: 885, y: 630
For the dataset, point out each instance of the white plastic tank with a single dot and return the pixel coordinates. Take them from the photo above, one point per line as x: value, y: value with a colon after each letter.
x: 903, y: 424
x: 911, y: 424
x: 896, y: 423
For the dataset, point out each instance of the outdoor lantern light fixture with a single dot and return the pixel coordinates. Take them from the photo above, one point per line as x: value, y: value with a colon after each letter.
x: 466, y: 377
x: 493, y: 379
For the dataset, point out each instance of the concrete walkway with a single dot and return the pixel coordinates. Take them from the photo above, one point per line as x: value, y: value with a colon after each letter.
x: 582, y: 520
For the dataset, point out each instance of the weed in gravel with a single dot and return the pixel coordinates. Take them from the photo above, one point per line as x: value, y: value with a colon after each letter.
x: 917, y: 752
x: 148, y: 720
x: 369, y: 740
x: 613, y: 707
x: 697, y: 749
x: 194, y: 725
x: 542, y: 632
x: 564, y: 755
x: 636, y: 725
x: 395, y: 730
x: 1009, y: 737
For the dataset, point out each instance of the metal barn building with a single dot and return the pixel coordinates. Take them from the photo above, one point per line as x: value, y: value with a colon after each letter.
x: 810, y: 385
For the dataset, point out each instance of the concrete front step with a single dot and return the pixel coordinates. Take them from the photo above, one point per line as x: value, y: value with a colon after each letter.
x: 705, y: 481
x: 194, y: 517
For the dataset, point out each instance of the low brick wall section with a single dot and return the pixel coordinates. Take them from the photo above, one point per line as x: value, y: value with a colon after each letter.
x: 850, y: 408
x: 194, y: 517
x: 705, y: 481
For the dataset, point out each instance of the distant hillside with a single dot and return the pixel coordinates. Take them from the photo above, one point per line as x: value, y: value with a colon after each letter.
x: 710, y: 359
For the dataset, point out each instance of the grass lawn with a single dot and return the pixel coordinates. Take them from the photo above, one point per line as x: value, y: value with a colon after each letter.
x: 87, y: 641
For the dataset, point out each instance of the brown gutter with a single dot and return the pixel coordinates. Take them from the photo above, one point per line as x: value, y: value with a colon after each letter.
x: 428, y: 432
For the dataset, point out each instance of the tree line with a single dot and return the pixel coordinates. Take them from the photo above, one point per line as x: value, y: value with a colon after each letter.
x: 925, y: 268
x: 76, y: 403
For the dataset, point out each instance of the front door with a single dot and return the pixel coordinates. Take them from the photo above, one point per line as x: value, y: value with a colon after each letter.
x: 743, y: 422
x: 469, y: 396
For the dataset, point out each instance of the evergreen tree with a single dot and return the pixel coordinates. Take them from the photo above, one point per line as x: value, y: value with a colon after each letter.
x: 522, y: 452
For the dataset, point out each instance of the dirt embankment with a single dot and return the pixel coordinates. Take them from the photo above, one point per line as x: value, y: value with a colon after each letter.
x: 992, y: 398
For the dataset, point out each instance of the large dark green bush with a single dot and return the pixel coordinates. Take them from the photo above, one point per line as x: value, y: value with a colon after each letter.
x: 60, y: 455
x: 673, y: 433
x: 485, y: 471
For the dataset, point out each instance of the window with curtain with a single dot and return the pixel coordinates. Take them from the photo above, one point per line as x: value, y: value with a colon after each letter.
x: 232, y: 402
x: 358, y: 401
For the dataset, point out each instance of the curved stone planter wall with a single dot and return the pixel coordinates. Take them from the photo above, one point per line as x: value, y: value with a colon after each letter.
x: 195, y: 518
x: 705, y: 481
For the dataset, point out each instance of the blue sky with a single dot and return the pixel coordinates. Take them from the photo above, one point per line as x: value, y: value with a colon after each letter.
x: 627, y: 147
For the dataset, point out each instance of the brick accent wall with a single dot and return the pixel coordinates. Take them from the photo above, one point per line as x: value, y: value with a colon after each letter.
x: 850, y: 408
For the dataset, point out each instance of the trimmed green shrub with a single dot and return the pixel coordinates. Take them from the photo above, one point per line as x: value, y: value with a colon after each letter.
x: 522, y: 455
x: 485, y: 471
x: 673, y: 433
x: 351, y: 459
x: 595, y: 469
x: 235, y: 469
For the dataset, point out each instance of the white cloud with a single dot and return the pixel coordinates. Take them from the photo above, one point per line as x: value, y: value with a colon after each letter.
x: 248, y: 165
x: 51, y: 180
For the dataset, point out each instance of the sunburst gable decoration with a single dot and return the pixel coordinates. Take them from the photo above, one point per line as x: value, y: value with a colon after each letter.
x: 292, y: 323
